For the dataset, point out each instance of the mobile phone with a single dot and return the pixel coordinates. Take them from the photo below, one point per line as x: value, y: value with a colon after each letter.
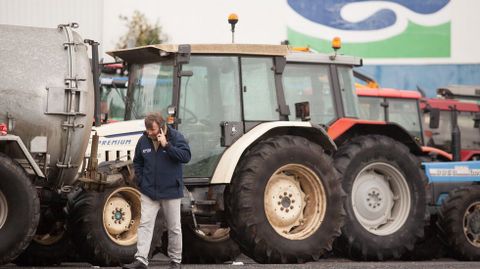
x: 164, y: 128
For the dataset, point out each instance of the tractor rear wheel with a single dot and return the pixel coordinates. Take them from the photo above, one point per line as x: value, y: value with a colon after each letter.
x: 386, y: 203
x: 19, y: 209
x: 459, y: 221
x: 284, y: 204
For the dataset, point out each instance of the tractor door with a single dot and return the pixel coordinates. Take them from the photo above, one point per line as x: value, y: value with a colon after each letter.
x: 258, y: 91
x: 218, y: 93
x: 208, y: 98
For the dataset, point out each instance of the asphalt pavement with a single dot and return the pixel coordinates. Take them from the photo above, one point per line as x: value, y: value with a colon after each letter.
x: 243, y: 262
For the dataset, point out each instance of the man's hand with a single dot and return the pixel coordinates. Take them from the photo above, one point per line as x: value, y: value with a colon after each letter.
x: 161, y: 138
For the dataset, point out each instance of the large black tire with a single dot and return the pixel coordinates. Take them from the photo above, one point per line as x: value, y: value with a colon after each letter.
x: 99, y: 239
x: 278, y: 182
x: 41, y: 253
x: 386, y: 198
x: 19, y: 209
x: 204, y: 249
x: 429, y: 247
x: 459, y: 221
x: 51, y: 244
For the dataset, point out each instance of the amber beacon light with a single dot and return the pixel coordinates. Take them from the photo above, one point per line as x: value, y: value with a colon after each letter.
x: 336, y: 45
x: 233, y: 19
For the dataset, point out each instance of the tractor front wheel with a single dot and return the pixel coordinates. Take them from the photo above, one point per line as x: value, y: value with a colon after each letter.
x: 459, y: 221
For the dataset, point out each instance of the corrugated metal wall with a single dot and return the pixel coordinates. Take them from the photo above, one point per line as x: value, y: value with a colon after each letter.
x: 50, y: 13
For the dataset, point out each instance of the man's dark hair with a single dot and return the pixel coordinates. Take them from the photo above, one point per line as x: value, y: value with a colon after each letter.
x: 154, y: 117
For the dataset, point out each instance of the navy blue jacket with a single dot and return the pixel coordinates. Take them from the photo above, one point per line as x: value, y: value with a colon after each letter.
x: 159, y: 173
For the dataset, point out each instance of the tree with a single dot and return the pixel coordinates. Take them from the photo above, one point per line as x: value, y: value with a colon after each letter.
x: 140, y: 32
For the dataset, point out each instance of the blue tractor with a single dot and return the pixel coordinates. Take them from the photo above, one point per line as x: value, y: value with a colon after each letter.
x: 455, y: 203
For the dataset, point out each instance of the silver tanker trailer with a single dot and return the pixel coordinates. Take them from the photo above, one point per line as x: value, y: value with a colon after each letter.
x: 47, y: 208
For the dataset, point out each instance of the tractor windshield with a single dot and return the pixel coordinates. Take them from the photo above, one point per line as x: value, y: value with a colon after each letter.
x: 151, y: 89
x: 113, y: 92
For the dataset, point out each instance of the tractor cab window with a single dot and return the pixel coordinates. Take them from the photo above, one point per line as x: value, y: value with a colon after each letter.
x: 112, y: 96
x: 307, y: 82
x: 259, y: 95
x: 208, y: 97
x: 405, y: 113
x: 441, y: 137
x: 348, y: 92
x: 151, y: 90
x: 470, y: 135
x: 371, y: 108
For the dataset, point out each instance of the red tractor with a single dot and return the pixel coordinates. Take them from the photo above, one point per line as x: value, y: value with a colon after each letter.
x: 428, y: 120
x: 442, y: 122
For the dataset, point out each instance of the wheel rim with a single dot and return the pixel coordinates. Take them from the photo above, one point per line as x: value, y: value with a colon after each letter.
x: 381, y: 198
x: 56, y: 234
x: 212, y: 233
x: 471, y: 224
x: 295, y: 201
x: 121, y: 215
x: 3, y: 209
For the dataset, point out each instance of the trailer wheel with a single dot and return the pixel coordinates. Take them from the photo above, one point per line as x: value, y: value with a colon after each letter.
x: 104, y: 225
x: 19, y: 209
x: 386, y: 203
x: 284, y: 204
x: 459, y: 221
x: 212, y: 245
x: 47, y: 249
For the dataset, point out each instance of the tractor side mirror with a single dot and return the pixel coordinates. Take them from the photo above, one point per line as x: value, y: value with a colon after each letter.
x: 434, y: 118
x: 186, y: 73
x: 183, y: 55
x: 476, y: 120
x: 302, y: 111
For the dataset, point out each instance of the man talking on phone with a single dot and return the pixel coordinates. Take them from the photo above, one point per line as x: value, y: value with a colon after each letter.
x: 159, y: 155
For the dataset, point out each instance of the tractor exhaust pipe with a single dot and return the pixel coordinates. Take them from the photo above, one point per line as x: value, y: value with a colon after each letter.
x: 96, y: 79
x: 456, y: 135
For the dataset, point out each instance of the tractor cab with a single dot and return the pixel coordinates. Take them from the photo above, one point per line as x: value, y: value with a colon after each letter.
x: 391, y: 105
x: 326, y: 82
x: 213, y: 94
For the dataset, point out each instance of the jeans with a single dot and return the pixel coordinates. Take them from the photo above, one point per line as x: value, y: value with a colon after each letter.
x: 171, y: 211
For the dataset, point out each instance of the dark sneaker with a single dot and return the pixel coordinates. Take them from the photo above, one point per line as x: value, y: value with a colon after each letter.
x: 135, y: 265
x: 174, y: 265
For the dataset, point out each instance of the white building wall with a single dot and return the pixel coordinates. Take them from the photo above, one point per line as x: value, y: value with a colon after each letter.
x: 194, y: 21
x: 49, y: 13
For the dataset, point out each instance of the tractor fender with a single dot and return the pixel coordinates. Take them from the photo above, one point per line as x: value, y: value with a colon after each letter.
x: 23, y: 151
x: 230, y: 158
x: 442, y: 155
x: 346, y: 128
